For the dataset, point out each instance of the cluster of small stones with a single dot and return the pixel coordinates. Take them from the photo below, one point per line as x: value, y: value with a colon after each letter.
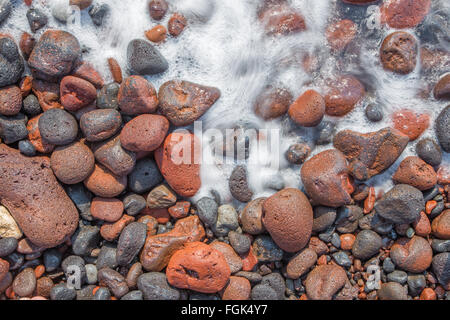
x: 88, y: 182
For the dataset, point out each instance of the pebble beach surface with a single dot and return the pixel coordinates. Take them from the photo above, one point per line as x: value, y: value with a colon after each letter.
x: 99, y: 101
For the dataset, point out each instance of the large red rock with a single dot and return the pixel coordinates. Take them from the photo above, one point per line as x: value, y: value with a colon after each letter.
x: 370, y: 153
x: 54, y: 55
x: 415, y: 172
x: 144, y: 133
x: 35, y: 199
x: 137, y: 96
x: 288, y: 217
x: 410, y: 123
x: 76, y: 93
x: 342, y: 94
x: 198, y: 267
x: 398, y: 52
x: 183, y: 102
x: 324, y: 281
x: 413, y: 255
x: 179, y: 160
x: 400, y: 14
x: 325, y: 178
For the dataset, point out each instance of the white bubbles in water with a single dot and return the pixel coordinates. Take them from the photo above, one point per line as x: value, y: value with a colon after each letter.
x: 224, y: 46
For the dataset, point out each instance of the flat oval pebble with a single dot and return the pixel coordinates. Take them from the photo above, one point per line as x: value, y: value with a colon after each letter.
x: 288, y: 217
x: 104, y: 183
x: 144, y: 133
x: 182, y: 169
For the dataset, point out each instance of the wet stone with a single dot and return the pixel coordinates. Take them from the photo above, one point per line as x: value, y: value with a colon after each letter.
x: 429, y: 151
x: 36, y: 19
x: 144, y: 58
x: 227, y: 220
x: 133, y: 295
x: 98, y: 13
x: 107, y: 96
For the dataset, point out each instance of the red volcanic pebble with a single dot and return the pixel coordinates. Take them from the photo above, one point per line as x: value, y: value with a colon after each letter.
x: 428, y: 294
x: 413, y: 255
x: 106, y: 209
x: 87, y: 72
x: 341, y: 33
x: 10, y: 100
x: 35, y: 137
x: 342, y: 95
x: 347, y: 241
x: 76, y: 93
x: 180, y: 209
x: 136, y: 96
x: 272, y: 102
x: 288, y: 217
x: 176, y: 24
x: 115, y: 69
x: 308, y: 110
x: 280, y: 19
x: 144, y: 133
x: 104, y: 183
x: 238, y: 288
x: 198, y: 267
x: 156, y: 34
x: 400, y: 14
x: 415, y: 172
x: 326, y: 180
x: 72, y: 163
x: 411, y: 123
x: 178, y: 160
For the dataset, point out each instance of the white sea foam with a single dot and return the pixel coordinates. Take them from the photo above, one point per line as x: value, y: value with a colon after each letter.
x: 225, y: 46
